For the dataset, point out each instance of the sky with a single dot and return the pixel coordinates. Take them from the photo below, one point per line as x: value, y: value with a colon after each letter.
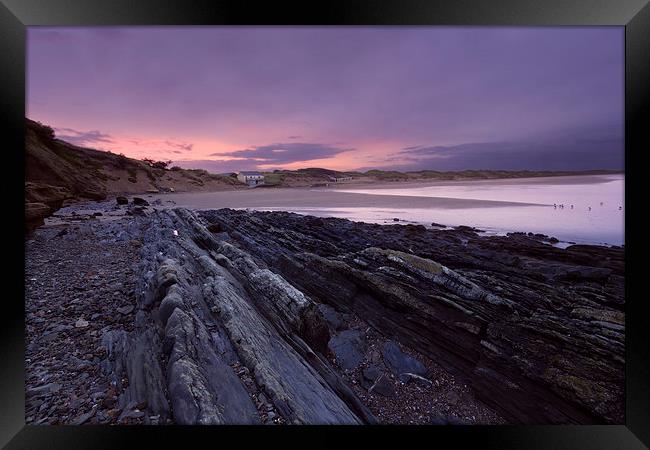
x: 346, y: 98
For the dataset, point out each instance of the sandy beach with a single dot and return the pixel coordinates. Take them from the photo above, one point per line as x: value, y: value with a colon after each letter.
x: 322, y: 198
x: 338, y: 196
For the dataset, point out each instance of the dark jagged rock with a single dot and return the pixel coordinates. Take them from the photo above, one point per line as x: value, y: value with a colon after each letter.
x: 121, y: 200
x: 348, y: 347
x: 136, y: 355
x: 369, y: 375
x: 214, y: 228
x: 383, y: 386
x: 333, y: 318
x: 465, y: 228
x: 137, y: 211
x: 518, y: 319
x: 140, y: 201
x: 401, y: 363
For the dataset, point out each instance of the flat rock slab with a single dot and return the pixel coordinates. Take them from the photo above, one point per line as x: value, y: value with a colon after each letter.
x: 203, y: 389
x: 348, y: 347
x: 50, y: 388
x: 383, y: 386
x: 333, y: 318
x: 369, y: 375
x: 399, y: 362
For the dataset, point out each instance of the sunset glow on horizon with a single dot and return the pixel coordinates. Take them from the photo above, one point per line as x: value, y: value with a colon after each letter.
x: 345, y: 98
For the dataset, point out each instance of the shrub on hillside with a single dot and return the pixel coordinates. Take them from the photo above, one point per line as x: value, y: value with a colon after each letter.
x: 45, y: 130
x: 156, y: 164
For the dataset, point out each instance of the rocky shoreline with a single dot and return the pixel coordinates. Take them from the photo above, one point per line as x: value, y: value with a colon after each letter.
x: 139, y: 314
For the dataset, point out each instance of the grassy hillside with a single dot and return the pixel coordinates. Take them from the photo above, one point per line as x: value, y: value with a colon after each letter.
x: 94, y: 174
x: 57, y: 171
x: 433, y: 175
x: 316, y: 176
x: 302, y: 177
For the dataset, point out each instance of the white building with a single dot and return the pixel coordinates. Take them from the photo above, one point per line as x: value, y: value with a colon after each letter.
x: 251, y: 178
x: 339, y: 179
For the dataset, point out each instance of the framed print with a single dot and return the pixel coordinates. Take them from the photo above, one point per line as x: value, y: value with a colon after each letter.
x: 353, y: 218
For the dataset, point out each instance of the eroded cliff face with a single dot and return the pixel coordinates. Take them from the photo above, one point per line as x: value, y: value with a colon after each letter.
x: 254, y: 317
x: 57, y: 172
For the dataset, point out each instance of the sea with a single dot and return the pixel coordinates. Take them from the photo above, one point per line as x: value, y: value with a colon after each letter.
x: 578, y: 209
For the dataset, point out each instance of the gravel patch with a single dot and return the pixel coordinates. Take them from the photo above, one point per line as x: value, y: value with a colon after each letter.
x: 74, y: 285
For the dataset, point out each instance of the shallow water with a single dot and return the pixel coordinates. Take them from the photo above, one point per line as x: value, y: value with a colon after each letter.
x: 603, y: 224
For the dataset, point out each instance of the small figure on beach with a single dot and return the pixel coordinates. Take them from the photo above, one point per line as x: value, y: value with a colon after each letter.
x: 571, y: 206
x: 620, y: 207
x: 589, y: 209
x: 601, y: 203
x: 554, y: 205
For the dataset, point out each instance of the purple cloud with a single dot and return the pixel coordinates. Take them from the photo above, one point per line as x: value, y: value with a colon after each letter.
x: 217, y: 166
x: 82, y: 138
x: 284, y: 153
x: 571, y: 152
x: 180, y: 145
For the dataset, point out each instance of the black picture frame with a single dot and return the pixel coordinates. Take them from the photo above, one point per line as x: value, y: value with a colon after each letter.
x: 16, y: 15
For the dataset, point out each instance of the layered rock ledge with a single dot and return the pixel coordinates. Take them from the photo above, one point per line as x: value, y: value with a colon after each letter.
x: 270, y: 317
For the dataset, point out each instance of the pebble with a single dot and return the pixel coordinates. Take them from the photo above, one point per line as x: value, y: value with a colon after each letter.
x: 84, y: 417
x: 125, y: 309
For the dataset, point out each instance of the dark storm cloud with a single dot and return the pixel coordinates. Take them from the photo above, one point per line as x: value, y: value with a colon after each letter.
x: 566, y: 154
x: 285, y: 153
x: 82, y: 138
